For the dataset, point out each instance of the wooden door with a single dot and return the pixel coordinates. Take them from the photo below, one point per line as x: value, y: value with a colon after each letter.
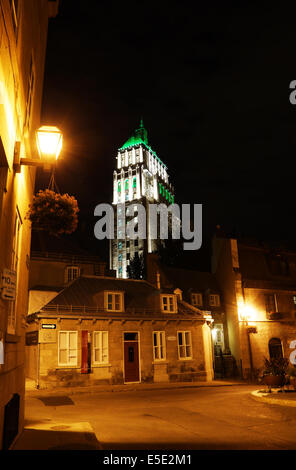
x: 131, y: 361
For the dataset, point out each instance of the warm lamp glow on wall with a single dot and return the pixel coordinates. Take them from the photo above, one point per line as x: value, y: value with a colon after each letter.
x: 247, y: 313
x: 49, y: 143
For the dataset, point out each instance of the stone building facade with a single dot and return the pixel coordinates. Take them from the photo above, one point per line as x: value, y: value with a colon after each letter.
x: 201, y: 290
x: 258, y: 282
x: 109, y: 330
x: 23, y: 36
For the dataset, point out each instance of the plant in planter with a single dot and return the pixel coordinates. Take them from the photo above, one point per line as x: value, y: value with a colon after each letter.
x: 53, y: 212
x: 275, y: 371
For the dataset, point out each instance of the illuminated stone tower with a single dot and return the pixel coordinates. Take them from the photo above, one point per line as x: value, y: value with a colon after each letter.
x: 140, y: 176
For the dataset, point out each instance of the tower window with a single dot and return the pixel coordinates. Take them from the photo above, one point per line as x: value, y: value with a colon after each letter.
x: 134, y: 182
x: 126, y: 185
x: 160, y: 192
x: 119, y: 187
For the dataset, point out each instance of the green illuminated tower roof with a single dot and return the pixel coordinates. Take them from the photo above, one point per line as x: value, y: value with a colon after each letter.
x: 139, y: 137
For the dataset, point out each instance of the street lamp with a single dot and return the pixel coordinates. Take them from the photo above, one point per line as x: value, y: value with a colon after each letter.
x: 49, y: 143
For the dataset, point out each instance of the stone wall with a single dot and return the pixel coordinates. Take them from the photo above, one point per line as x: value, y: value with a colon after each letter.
x: 52, y: 375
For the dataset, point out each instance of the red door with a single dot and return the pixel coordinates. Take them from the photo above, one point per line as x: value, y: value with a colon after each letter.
x: 131, y: 361
x: 84, y: 352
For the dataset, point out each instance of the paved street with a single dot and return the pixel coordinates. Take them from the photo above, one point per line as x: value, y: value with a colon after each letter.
x: 192, y: 418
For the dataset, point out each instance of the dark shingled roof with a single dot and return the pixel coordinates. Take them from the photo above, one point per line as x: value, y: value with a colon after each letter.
x: 141, y: 299
x: 82, y: 291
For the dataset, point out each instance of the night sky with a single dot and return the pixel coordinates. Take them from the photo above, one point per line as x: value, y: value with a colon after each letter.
x: 211, y: 81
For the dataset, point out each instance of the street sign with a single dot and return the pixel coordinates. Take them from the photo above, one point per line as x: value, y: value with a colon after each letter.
x: 8, y: 284
x: 49, y: 326
x: 32, y: 338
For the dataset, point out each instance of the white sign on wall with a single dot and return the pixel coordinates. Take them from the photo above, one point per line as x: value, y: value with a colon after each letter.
x: 8, y: 284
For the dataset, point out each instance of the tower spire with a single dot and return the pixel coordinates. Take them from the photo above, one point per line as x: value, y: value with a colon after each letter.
x: 142, y: 132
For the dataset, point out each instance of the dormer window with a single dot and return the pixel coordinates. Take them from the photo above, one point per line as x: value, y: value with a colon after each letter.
x: 114, y: 301
x: 196, y: 299
x: 168, y: 303
x: 214, y: 300
x: 71, y: 273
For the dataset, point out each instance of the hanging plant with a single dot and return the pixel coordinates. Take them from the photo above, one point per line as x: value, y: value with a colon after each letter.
x: 53, y: 212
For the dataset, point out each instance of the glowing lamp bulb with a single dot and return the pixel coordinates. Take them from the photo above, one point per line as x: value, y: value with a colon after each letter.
x: 49, y: 142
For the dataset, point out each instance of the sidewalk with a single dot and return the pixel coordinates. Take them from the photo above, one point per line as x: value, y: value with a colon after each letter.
x: 276, y: 396
x: 32, y: 391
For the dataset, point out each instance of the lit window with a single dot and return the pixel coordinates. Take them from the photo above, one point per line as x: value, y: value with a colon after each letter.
x: 294, y: 299
x: 114, y: 301
x: 196, y: 299
x: 72, y: 272
x: 29, y: 95
x: 100, y: 347
x: 184, y: 345
x: 67, y: 348
x: 214, y: 300
x: 168, y: 303
x: 159, y: 351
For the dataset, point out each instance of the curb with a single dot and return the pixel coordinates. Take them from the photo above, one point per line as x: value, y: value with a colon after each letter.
x: 265, y: 397
x: 112, y: 389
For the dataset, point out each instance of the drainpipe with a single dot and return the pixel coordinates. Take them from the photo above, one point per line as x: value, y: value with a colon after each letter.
x: 250, y: 353
x: 38, y: 364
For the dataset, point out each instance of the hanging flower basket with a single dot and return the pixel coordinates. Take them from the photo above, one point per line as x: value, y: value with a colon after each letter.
x: 53, y: 212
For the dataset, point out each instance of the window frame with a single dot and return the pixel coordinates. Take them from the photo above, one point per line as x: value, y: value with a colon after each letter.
x: 158, y: 334
x: 215, y: 304
x: 121, y: 301
x: 267, y: 304
x: 100, y: 348
x: 183, y: 333
x: 15, y: 264
x: 198, y: 294
x: 67, y: 364
x: 162, y: 304
x: 30, y: 94
x: 69, y: 269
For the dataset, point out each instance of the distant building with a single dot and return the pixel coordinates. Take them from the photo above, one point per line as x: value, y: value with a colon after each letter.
x: 23, y: 36
x: 54, y: 263
x: 258, y: 283
x: 140, y: 176
x: 109, y: 330
x: 201, y: 290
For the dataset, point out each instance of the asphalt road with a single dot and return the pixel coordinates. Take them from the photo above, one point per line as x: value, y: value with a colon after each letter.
x: 205, y: 418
